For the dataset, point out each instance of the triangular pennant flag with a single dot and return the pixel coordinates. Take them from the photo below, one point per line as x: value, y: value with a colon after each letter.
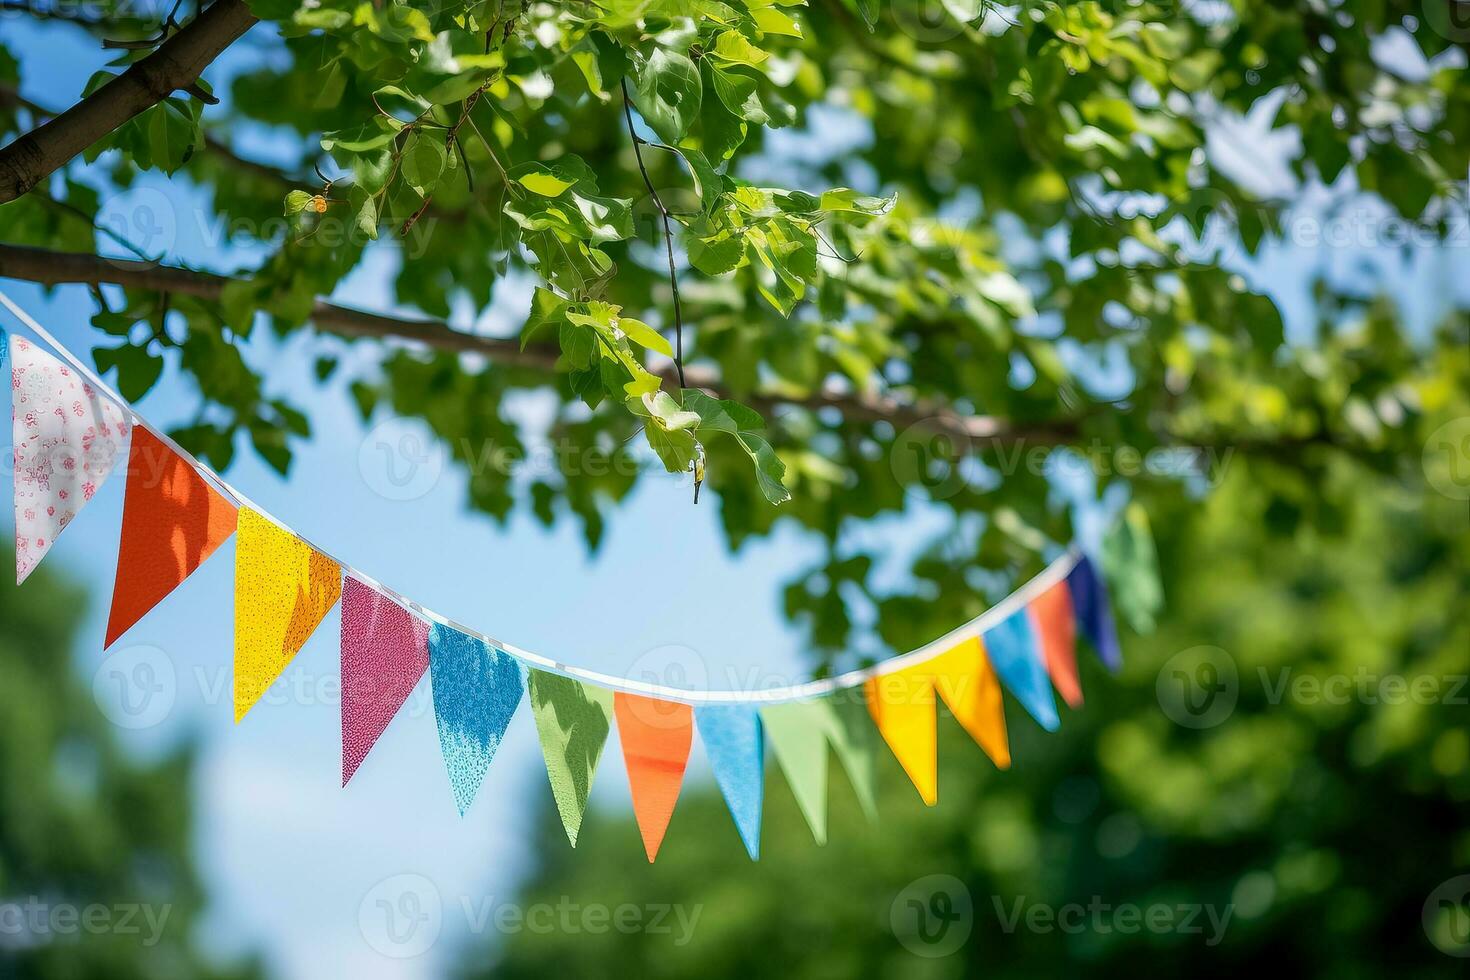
x: 1090, y: 602
x: 172, y: 521
x: 283, y: 589
x: 799, y: 732
x: 655, y: 736
x: 732, y: 738
x: 573, y: 720
x: 964, y: 678
x: 385, y: 650
x: 1056, y: 630
x: 902, y: 706
x: 1012, y: 648
x: 856, y: 745
x: 67, y: 440
x: 476, y: 691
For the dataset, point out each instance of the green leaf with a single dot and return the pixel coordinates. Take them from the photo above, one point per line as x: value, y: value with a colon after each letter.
x: 547, y: 309
x: 377, y: 132
x: 137, y: 369
x: 745, y: 426
x: 645, y: 336
x: 846, y: 199
x: 367, y: 217
x: 668, y: 92
x: 296, y: 201
x: 423, y: 162
x: 540, y: 179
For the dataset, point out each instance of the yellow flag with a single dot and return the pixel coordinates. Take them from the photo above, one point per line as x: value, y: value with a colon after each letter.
x: 902, y: 706
x: 283, y: 588
x: 964, y: 678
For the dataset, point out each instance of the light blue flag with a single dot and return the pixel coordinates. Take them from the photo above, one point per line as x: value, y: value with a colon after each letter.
x: 476, y: 690
x: 1013, y: 649
x: 733, y: 741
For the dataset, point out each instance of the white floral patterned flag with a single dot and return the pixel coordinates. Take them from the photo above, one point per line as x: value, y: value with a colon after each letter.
x: 67, y: 440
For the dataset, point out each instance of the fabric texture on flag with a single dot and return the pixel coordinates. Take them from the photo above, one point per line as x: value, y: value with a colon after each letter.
x: 800, y: 733
x: 1013, y: 650
x: 655, y: 736
x: 736, y: 748
x: 385, y: 651
x: 573, y: 720
x: 1055, y: 623
x: 283, y: 589
x: 172, y: 521
x: 476, y: 691
x: 67, y: 439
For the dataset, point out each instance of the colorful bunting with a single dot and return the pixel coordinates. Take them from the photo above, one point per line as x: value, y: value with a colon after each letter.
x: 573, y: 720
x: 283, y: 589
x: 902, y: 706
x: 476, y: 690
x: 1011, y: 646
x: 1056, y: 630
x: 172, y: 521
x: 385, y: 650
x: 67, y: 440
x: 655, y: 735
x: 1090, y: 601
x: 732, y: 738
x: 964, y: 678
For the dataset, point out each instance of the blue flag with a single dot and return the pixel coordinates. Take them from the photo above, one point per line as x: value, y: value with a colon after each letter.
x: 733, y: 741
x: 1090, y: 600
x: 1015, y: 653
x: 476, y: 690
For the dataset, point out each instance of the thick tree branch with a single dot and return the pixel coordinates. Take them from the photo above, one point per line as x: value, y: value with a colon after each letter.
x: 176, y: 65
x: 52, y: 268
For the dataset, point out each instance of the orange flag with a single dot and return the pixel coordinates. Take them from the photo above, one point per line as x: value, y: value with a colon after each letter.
x: 1056, y: 627
x: 172, y: 521
x: 902, y: 706
x: 656, y: 736
x: 964, y: 678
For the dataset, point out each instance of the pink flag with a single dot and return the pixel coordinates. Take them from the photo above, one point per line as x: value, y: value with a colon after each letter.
x: 385, y: 650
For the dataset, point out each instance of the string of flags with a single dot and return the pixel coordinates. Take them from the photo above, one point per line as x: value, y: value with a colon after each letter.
x: 69, y: 431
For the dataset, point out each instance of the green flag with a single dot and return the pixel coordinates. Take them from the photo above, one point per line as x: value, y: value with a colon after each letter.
x: 800, y: 732
x: 572, y: 720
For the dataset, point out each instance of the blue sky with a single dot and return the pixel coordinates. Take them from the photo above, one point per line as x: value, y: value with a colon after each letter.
x: 294, y: 864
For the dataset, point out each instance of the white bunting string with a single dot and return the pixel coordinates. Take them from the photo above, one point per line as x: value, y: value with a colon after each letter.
x: 1052, y: 574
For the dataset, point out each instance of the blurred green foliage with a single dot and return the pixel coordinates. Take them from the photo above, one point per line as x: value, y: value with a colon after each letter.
x: 85, y: 830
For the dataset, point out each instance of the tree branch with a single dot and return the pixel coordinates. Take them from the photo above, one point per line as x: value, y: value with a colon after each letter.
x: 53, y: 268
x: 176, y: 64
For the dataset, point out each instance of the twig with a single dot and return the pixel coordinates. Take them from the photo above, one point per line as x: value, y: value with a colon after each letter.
x: 668, y: 237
